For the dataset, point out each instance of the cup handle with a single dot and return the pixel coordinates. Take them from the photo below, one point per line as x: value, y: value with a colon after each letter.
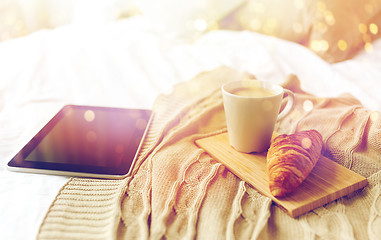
x: 290, y: 103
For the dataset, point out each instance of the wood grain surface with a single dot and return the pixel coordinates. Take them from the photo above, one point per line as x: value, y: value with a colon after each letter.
x: 328, y: 180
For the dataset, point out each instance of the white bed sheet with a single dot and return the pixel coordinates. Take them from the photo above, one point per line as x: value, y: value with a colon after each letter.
x: 125, y: 64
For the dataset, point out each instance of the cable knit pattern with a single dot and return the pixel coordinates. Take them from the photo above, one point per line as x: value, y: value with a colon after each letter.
x: 177, y: 191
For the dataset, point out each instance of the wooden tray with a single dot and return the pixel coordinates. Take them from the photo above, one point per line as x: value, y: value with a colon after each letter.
x: 327, y: 181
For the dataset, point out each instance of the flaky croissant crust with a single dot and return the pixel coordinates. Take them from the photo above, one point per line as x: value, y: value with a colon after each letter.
x: 290, y: 160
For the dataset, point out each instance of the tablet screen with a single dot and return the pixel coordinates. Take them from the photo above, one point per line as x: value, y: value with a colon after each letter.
x: 85, y: 139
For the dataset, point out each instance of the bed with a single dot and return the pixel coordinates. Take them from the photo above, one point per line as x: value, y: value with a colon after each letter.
x: 128, y: 64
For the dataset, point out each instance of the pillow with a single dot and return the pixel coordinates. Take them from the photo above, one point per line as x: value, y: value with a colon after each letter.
x: 185, y: 19
x: 335, y: 30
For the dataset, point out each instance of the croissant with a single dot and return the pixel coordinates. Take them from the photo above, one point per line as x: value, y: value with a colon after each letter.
x: 290, y: 160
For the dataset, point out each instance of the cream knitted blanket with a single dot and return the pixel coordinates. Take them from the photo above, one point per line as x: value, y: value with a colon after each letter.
x: 177, y: 191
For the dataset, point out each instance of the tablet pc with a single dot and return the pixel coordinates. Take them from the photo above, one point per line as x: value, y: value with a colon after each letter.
x: 85, y: 141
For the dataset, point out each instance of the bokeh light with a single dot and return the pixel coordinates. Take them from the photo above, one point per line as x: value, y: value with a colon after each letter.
x: 368, y: 47
x: 141, y: 123
x: 373, y: 28
x: 297, y: 27
x: 342, y: 45
x: 119, y: 148
x: 321, y: 27
x: 255, y: 24
x: 319, y: 45
x: 259, y: 7
x: 299, y: 4
x: 363, y: 28
x: 375, y: 116
x: 89, y: 115
x: 306, y: 143
x: 200, y: 25
x: 270, y: 26
x: 91, y: 136
x: 321, y: 6
x: 329, y: 18
x: 308, y: 105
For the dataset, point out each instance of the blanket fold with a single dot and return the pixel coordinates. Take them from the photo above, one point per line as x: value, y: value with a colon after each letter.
x: 177, y: 191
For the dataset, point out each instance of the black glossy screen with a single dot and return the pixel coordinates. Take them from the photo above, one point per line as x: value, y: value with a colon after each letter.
x: 78, y: 136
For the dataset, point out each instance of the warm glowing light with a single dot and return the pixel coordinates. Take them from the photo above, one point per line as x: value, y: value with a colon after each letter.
x: 119, y: 148
x: 255, y: 24
x: 373, y: 28
x: 272, y: 22
x: 321, y: 27
x: 91, y: 136
x: 321, y: 6
x: 270, y: 25
x: 89, y: 116
x: 141, y: 123
x: 315, y: 45
x: 69, y: 111
x: 319, y: 45
x: 368, y: 47
x: 200, y: 25
x: 299, y: 4
x: 135, y: 114
x: 324, y: 45
x: 297, y: 27
x: 342, y: 44
x: 375, y: 116
x: 259, y: 7
x: 329, y: 18
x: 367, y: 38
x: 363, y: 28
x: 308, y: 105
x: 306, y: 143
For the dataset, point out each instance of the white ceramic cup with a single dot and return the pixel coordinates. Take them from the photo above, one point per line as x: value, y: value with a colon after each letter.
x: 251, y: 110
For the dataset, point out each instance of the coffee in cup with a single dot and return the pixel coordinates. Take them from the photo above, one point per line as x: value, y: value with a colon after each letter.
x: 256, y: 92
x: 251, y: 110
